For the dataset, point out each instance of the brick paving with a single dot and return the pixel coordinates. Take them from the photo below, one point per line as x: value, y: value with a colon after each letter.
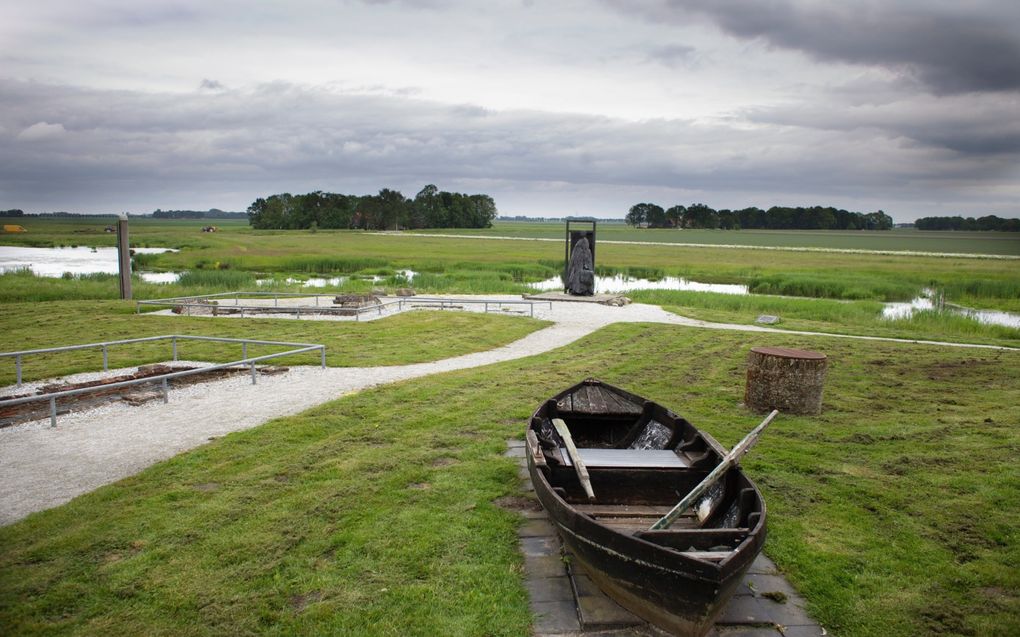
x: 566, y: 603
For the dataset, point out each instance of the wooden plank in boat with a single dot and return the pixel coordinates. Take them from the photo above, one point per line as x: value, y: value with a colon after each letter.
x: 633, y: 526
x: 618, y: 404
x: 631, y: 458
x: 596, y: 400
x: 709, y: 556
x: 582, y: 405
x: 622, y: 510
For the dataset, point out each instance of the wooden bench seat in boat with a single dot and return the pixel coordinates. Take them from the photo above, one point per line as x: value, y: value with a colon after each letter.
x: 628, y: 458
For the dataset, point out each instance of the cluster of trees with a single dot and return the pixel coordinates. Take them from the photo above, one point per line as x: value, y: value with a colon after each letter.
x: 389, y: 210
x: 775, y: 218
x: 990, y: 222
x: 13, y: 212
x: 212, y: 213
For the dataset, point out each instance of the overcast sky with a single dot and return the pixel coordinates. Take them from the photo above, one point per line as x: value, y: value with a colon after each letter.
x: 553, y: 108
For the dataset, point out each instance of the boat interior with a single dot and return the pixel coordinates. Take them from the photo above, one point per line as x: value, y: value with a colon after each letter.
x: 640, y: 462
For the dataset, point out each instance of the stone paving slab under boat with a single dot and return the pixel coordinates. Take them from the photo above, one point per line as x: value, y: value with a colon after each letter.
x: 566, y: 603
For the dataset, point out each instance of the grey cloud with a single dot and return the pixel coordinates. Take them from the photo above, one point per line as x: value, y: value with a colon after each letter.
x: 139, y: 151
x: 979, y: 126
x: 672, y: 55
x: 210, y: 85
x: 951, y: 48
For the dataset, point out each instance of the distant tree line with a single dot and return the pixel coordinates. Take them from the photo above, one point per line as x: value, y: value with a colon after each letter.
x: 212, y: 213
x: 990, y: 222
x: 13, y: 212
x: 388, y: 210
x: 775, y: 218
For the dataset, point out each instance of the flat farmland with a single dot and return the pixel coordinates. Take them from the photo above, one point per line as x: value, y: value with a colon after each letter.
x: 897, y: 240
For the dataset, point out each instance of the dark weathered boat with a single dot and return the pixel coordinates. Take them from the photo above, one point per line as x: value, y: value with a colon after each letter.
x: 641, y: 460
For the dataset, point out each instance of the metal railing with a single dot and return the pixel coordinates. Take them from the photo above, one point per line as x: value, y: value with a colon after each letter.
x: 443, y: 303
x: 163, y: 379
x: 200, y: 301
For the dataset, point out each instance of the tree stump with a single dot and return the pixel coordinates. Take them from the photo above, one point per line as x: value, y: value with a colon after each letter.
x: 789, y: 380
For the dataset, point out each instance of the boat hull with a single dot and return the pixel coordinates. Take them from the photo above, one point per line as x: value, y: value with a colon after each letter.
x: 664, y: 586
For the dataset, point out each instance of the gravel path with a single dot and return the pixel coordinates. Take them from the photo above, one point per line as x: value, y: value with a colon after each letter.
x: 43, y: 467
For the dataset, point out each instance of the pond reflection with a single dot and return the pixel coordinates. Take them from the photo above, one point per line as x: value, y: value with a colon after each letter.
x: 623, y: 283
x: 54, y: 262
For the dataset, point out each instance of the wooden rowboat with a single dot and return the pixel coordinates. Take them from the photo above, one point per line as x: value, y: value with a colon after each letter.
x: 639, y: 459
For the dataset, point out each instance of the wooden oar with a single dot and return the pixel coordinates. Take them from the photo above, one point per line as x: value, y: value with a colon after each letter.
x: 575, y: 457
x: 731, y: 459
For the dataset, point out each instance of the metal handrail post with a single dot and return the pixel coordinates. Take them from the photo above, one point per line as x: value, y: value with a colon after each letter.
x: 253, y: 381
x: 166, y: 392
x: 106, y: 359
x: 53, y: 412
x: 174, y: 341
x: 244, y: 349
x: 322, y: 350
x: 17, y: 365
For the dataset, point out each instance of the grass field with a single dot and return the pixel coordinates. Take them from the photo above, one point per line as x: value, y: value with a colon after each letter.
x: 406, y: 338
x: 894, y: 513
x: 490, y: 266
x: 899, y: 239
x: 168, y: 233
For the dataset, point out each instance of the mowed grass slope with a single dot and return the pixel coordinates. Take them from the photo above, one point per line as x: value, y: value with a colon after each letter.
x: 895, y: 512
x: 411, y: 337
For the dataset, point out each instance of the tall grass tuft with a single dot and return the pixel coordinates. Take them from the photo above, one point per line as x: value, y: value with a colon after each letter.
x: 329, y: 265
x: 824, y: 286
x: 225, y: 279
x: 466, y: 282
x: 750, y: 305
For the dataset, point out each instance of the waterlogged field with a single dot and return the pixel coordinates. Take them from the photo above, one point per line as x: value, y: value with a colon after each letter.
x: 899, y: 239
x: 894, y: 512
x: 239, y: 258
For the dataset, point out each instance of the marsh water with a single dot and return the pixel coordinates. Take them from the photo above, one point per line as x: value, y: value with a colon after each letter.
x: 620, y: 283
x: 897, y: 311
x: 54, y: 262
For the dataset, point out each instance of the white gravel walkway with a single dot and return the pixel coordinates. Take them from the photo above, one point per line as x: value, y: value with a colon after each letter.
x: 43, y: 467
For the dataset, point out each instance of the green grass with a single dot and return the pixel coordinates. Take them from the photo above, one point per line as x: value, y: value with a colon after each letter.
x: 894, y: 513
x: 986, y: 283
x: 825, y: 315
x: 899, y: 239
x: 412, y: 337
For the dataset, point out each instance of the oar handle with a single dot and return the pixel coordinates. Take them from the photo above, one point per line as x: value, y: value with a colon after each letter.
x: 731, y: 459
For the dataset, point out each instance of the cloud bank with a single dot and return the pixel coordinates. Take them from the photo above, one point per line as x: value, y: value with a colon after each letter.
x: 583, y: 108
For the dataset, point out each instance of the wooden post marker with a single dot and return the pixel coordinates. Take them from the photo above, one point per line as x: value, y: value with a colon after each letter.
x: 790, y: 380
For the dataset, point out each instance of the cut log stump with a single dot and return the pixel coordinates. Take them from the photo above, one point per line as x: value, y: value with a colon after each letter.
x: 790, y: 380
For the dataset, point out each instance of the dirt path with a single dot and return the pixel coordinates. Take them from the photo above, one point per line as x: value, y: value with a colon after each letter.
x: 43, y: 467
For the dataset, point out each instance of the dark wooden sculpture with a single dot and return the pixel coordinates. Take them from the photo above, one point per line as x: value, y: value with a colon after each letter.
x: 580, y: 273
